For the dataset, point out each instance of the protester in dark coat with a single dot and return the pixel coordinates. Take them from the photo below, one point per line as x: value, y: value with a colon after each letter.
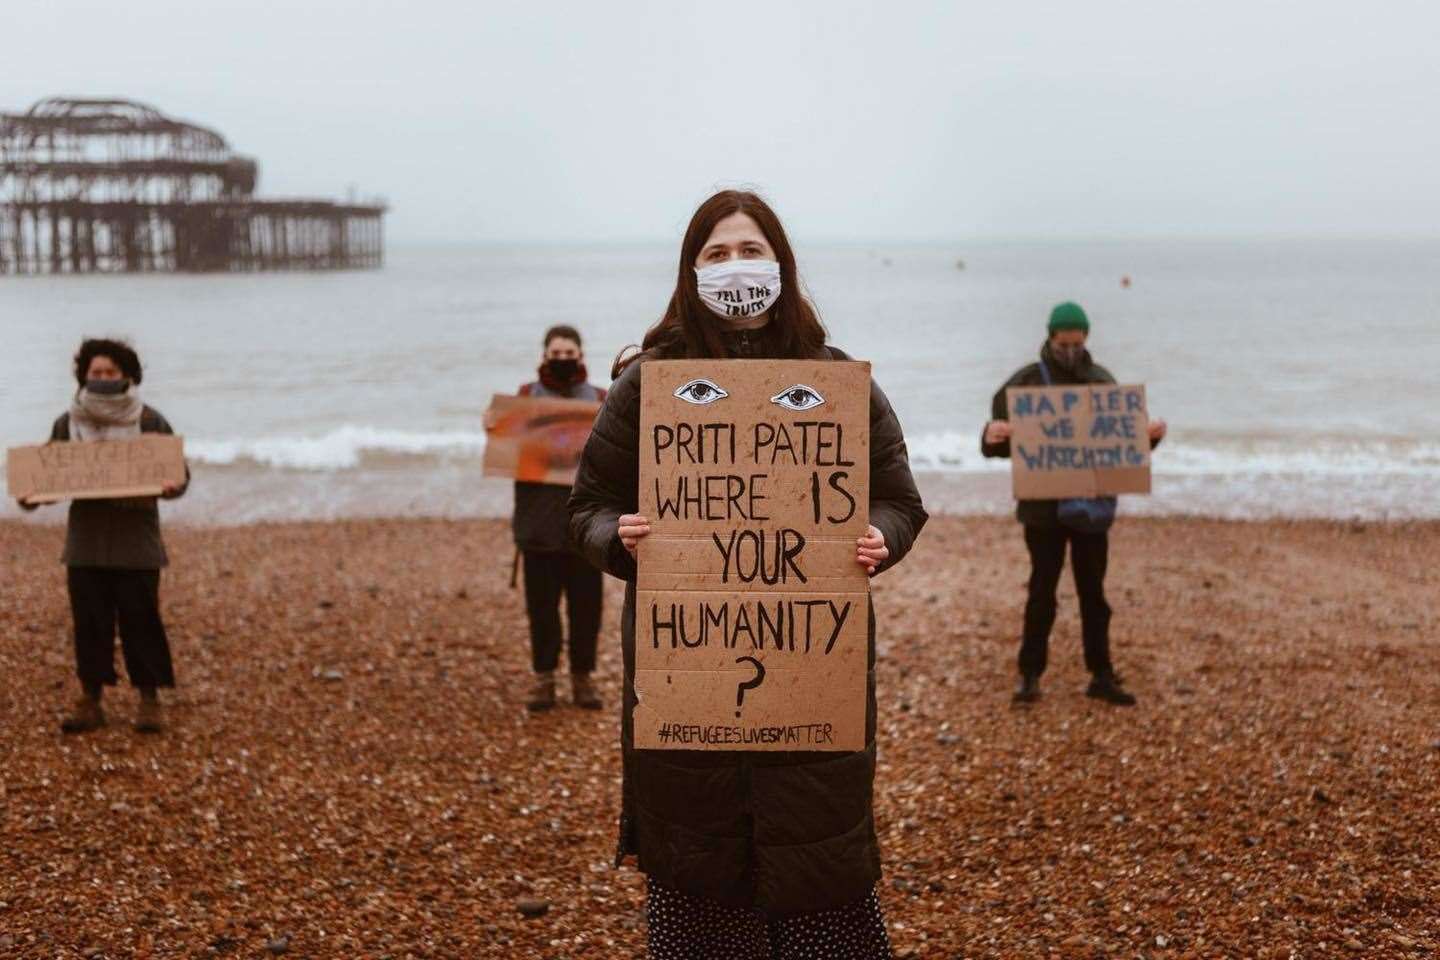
x: 745, y: 852
x: 552, y: 567
x: 113, y: 548
x: 1063, y: 360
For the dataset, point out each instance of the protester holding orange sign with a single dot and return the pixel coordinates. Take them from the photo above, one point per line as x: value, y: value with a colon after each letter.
x: 552, y: 569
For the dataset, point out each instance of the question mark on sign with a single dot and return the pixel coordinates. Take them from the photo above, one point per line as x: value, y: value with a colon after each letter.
x: 748, y: 684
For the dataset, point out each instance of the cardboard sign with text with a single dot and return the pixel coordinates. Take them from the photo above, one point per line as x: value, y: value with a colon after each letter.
x: 536, y: 439
x: 1080, y: 440
x: 752, y: 616
x: 103, y: 469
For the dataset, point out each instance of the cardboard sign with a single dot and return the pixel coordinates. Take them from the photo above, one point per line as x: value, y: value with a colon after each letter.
x: 103, y: 469
x: 1084, y: 440
x: 536, y: 439
x: 752, y: 615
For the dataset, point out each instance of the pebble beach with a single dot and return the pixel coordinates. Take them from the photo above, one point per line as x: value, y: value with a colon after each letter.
x: 349, y: 770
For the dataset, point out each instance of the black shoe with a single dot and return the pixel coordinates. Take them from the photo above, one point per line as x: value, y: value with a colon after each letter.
x: 1028, y: 691
x: 542, y: 693
x: 1107, y: 687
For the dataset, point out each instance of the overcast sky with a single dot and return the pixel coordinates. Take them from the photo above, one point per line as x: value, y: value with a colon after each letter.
x: 861, y: 121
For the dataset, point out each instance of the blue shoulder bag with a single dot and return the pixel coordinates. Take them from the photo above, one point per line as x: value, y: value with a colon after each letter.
x: 1084, y: 514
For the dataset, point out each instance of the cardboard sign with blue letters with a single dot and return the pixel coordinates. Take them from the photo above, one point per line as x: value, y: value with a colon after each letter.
x: 1080, y: 440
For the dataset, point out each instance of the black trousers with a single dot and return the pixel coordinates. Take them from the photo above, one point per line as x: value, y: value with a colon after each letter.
x: 100, y: 598
x: 547, y: 576
x: 1089, y: 554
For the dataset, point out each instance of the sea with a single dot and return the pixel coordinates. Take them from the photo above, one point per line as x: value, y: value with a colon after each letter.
x: 1299, y: 378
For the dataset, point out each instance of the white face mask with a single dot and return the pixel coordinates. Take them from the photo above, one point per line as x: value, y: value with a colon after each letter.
x: 737, y: 289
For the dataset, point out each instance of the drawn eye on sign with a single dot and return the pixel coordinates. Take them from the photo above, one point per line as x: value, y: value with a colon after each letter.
x: 798, y: 397
x: 700, y: 391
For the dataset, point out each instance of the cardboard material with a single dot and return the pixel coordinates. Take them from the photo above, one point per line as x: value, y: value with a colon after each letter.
x: 751, y: 613
x: 137, y: 467
x: 1085, y: 440
x: 536, y: 439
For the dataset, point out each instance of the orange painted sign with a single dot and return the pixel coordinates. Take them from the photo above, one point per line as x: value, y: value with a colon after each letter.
x: 536, y: 439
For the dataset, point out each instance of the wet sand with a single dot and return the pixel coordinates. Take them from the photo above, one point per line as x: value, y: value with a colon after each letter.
x: 349, y: 765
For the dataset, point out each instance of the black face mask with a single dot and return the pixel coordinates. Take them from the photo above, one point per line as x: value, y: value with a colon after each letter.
x: 563, y: 370
x: 1068, y: 356
x: 107, y: 388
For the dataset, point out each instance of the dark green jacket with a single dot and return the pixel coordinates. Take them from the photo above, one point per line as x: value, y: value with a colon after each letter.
x: 121, y: 534
x: 783, y: 832
x: 1041, y: 513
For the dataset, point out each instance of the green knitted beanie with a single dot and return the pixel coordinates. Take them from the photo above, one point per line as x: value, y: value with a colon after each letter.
x: 1069, y: 316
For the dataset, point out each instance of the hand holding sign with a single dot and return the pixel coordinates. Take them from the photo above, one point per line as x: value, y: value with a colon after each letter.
x: 997, y: 431
x: 632, y: 529
x: 872, y: 550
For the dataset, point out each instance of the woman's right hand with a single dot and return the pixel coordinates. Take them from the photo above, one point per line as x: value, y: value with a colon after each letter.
x: 633, y: 528
x: 997, y: 431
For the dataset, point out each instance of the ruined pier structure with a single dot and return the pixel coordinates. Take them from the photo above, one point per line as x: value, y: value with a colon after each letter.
x: 112, y: 185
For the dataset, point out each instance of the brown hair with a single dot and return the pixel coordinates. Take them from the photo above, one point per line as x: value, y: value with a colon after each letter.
x: 565, y: 332
x: 689, y: 329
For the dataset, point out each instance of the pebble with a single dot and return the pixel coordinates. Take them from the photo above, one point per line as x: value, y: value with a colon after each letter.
x: 532, y: 908
x: 279, y: 945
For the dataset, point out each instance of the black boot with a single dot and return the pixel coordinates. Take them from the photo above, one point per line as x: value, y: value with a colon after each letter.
x: 87, y: 714
x: 1107, y: 687
x: 1028, y: 690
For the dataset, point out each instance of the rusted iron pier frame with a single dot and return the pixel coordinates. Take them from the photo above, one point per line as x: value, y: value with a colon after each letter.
x: 107, y: 186
x: 72, y: 236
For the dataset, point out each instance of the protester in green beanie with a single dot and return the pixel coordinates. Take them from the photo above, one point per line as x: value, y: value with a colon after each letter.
x: 1068, y: 316
x: 1064, y: 359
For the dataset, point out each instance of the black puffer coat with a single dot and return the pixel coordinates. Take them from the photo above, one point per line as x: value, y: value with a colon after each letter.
x: 785, y: 832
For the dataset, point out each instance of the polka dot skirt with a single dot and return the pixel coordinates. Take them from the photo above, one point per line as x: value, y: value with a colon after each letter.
x: 683, y: 927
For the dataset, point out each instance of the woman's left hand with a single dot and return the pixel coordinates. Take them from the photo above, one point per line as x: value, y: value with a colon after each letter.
x: 1157, y: 430
x: 871, y: 550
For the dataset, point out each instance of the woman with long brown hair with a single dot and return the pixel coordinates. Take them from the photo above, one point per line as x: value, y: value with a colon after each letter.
x: 733, y: 871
